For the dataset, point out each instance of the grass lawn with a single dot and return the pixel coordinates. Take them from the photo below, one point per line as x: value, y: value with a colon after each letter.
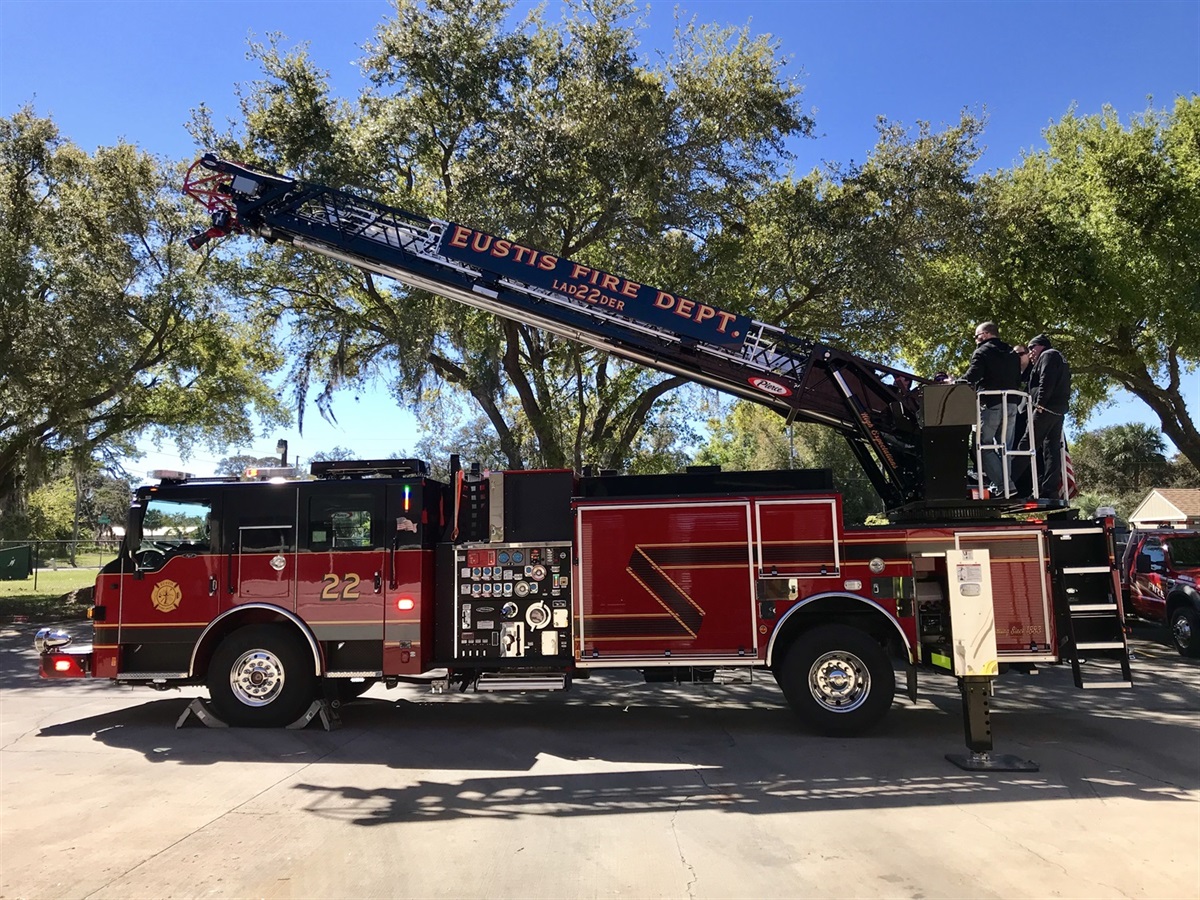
x: 52, y: 599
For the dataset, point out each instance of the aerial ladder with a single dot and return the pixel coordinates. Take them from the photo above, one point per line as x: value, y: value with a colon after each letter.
x: 909, y: 434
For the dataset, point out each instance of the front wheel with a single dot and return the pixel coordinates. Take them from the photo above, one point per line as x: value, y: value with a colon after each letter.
x: 262, y: 676
x: 1185, y: 631
x: 837, y: 679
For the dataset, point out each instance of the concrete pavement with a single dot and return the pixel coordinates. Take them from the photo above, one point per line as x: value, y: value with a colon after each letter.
x: 615, y: 789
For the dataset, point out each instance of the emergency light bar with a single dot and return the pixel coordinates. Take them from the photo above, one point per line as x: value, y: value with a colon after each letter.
x: 171, y: 475
x: 271, y: 473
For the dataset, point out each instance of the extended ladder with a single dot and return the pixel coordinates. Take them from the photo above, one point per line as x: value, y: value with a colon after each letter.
x: 877, y: 408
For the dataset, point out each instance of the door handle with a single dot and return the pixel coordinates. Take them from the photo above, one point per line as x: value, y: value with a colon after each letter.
x: 378, y: 583
x: 212, y: 585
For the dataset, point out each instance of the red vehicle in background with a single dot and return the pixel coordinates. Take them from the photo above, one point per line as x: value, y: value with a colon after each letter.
x: 1161, y: 574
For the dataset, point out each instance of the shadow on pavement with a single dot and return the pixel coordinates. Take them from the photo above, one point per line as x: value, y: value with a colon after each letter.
x: 732, y: 748
x: 729, y: 747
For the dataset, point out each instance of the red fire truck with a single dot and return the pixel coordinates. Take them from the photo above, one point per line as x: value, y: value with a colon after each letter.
x: 282, y: 594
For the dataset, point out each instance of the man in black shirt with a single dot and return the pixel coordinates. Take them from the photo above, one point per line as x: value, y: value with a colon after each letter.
x: 994, y: 367
x: 1049, y: 395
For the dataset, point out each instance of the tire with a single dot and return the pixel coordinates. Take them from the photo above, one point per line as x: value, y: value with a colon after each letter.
x: 838, y: 680
x: 262, y: 676
x: 1185, y: 631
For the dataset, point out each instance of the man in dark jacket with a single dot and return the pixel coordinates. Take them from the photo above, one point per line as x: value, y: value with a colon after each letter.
x: 994, y: 367
x: 1049, y: 395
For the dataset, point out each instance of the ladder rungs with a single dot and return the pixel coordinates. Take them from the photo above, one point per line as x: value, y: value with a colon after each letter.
x: 1093, y: 685
x: 1086, y: 570
x: 1101, y: 645
x: 1092, y: 607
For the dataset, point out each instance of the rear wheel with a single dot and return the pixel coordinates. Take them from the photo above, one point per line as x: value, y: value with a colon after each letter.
x: 1185, y: 631
x: 837, y: 679
x: 262, y: 676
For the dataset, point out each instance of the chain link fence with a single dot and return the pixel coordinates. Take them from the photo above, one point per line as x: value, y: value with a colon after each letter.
x: 32, y: 559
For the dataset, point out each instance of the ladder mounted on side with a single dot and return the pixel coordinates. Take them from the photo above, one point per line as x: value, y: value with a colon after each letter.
x: 1087, y: 605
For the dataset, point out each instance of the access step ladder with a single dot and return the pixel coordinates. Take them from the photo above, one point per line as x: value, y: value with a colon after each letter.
x: 1087, y: 604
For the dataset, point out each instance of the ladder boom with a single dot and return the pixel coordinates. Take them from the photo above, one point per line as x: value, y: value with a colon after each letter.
x: 877, y: 408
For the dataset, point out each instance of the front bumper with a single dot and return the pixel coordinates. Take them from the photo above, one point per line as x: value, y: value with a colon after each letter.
x: 60, y: 657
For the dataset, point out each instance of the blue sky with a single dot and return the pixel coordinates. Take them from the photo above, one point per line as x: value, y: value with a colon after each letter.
x: 135, y: 70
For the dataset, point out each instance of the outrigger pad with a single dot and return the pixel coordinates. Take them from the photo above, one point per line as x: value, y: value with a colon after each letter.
x: 330, y: 719
x: 200, y: 710
x: 992, y: 762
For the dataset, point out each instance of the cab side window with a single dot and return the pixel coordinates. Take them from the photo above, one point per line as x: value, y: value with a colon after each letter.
x: 342, y: 522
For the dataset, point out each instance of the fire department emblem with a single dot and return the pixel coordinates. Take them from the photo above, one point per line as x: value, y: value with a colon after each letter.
x: 166, y: 596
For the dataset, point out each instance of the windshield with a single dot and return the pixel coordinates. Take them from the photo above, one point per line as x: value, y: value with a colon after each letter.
x: 1185, y: 550
x: 170, y: 527
x: 172, y: 523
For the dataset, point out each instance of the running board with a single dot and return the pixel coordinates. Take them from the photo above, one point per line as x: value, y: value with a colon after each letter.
x: 500, y: 681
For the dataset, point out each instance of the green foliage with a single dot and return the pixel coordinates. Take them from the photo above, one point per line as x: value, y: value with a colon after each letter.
x: 237, y: 465
x: 746, y: 436
x: 851, y: 255
x: 52, y: 511
x: 1096, y: 242
x: 94, y: 495
x: 1117, y: 466
x: 108, y: 327
x: 337, y: 453
x: 557, y: 135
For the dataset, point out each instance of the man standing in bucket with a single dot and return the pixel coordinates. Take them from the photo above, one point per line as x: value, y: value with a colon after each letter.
x: 1049, y: 395
x: 994, y: 367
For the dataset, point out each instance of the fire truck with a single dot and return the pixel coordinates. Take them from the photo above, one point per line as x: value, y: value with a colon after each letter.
x: 284, y: 594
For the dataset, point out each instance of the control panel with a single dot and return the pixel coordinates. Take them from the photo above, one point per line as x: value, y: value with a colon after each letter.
x: 513, y: 603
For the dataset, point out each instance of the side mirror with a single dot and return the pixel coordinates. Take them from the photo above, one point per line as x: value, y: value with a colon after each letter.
x: 1143, y: 563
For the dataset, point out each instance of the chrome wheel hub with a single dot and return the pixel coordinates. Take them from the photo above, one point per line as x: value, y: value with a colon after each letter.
x: 839, y: 681
x: 257, y: 677
x: 1183, y: 631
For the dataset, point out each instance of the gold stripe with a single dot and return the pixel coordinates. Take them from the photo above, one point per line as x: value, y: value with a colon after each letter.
x: 649, y: 638
x: 700, y: 544
x: 661, y: 602
x: 828, y: 540
x: 151, y: 624
x: 660, y: 571
x: 344, y: 621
